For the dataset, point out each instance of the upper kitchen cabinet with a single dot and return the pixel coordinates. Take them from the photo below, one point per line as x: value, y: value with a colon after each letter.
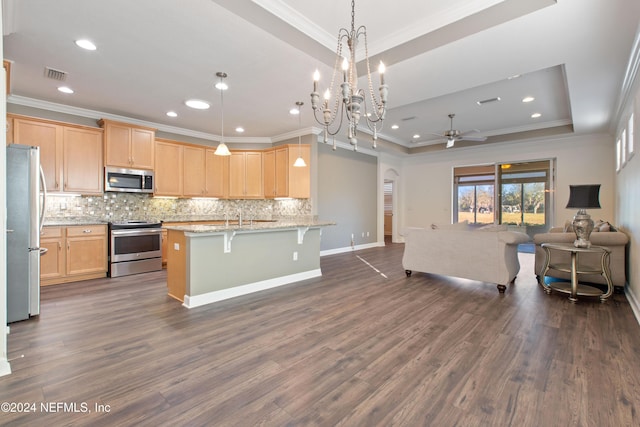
x: 70, y: 155
x: 217, y: 175
x: 245, y: 175
x: 128, y: 146
x: 281, y: 178
x: 169, y: 168
x: 194, y: 171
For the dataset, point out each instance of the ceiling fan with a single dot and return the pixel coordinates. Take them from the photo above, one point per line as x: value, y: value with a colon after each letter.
x: 452, y: 135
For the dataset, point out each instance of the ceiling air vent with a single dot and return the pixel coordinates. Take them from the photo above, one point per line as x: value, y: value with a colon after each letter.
x: 54, y: 74
x: 488, y: 101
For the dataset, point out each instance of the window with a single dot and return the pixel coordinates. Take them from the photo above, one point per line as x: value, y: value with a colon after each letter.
x: 516, y: 194
x: 474, y: 194
x: 618, y: 155
x: 623, y: 148
x: 630, y: 138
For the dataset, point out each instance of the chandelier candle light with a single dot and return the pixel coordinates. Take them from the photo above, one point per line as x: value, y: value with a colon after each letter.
x: 353, y: 104
x: 222, y: 149
x: 583, y: 197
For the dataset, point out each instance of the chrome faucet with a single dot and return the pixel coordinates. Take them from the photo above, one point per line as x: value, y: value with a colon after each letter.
x: 226, y: 219
x: 240, y: 218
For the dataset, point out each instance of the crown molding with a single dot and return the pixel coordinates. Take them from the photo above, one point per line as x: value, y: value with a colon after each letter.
x: 94, y: 114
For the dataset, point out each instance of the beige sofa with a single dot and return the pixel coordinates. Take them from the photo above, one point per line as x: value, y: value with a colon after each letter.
x: 614, y: 240
x: 489, y: 255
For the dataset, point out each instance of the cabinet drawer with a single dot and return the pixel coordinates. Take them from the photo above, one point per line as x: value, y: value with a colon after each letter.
x: 86, y: 230
x: 51, y: 232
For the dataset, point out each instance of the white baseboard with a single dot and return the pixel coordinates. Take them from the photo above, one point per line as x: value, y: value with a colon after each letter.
x: 5, y: 368
x: 351, y: 249
x: 215, y: 296
x: 633, y: 301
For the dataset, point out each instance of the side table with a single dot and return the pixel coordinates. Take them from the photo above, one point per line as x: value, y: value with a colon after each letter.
x: 575, y: 289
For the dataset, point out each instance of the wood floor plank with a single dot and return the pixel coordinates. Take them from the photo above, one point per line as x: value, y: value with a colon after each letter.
x: 361, y: 345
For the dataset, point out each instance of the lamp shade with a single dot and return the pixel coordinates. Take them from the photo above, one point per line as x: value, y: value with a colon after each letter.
x: 584, y: 196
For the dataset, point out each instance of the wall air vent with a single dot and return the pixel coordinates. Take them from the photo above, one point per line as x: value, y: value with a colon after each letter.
x: 488, y: 101
x: 408, y: 118
x: 52, y: 73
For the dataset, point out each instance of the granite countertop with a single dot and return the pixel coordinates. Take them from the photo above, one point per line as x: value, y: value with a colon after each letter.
x: 252, y: 226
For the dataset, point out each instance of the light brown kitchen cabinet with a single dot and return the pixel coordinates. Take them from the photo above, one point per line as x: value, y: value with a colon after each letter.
x: 74, y: 253
x: 217, y: 175
x: 245, y: 175
x: 194, y: 171
x: 169, y: 168
x: 52, y: 263
x: 70, y: 155
x: 281, y: 178
x: 128, y: 146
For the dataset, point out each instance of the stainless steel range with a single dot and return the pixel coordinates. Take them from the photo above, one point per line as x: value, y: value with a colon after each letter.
x: 134, y: 247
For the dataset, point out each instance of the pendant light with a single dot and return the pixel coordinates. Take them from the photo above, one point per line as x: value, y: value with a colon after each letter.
x: 299, y: 163
x: 222, y: 149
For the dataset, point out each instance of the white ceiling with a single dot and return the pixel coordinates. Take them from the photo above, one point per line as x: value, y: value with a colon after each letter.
x: 442, y: 57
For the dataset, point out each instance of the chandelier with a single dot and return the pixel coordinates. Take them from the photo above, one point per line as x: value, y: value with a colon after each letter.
x: 348, y: 100
x: 222, y: 149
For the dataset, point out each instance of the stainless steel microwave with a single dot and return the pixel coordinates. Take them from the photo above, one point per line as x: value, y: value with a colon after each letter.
x: 128, y: 180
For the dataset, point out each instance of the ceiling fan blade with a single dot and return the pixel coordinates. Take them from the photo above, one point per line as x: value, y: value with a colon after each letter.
x: 472, y: 138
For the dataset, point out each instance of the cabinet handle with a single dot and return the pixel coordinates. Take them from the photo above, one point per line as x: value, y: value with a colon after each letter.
x: 59, y: 246
x: 87, y: 231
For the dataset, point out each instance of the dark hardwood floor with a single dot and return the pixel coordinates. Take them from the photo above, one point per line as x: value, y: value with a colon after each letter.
x: 363, y: 345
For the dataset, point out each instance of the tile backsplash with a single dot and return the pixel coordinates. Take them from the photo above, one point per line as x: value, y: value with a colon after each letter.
x: 130, y: 206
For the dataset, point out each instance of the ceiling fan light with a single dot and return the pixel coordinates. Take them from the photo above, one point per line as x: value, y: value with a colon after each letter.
x: 450, y: 142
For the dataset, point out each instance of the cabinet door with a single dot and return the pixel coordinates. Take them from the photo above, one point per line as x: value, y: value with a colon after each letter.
x: 86, y: 249
x: 282, y: 172
x: 299, y: 185
x: 269, y: 168
x: 48, y: 137
x: 217, y: 175
x: 142, y: 148
x: 164, y: 246
x: 253, y: 183
x: 52, y: 262
x: 117, y: 140
x: 237, y: 175
x: 82, y: 155
x: 168, y: 170
x: 193, y: 171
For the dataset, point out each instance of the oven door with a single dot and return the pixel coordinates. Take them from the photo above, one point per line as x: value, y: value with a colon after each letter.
x: 135, y: 244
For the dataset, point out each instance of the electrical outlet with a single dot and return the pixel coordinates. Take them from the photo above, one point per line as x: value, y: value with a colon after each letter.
x: 176, y: 246
x: 363, y: 234
x: 295, y: 255
x: 367, y: 234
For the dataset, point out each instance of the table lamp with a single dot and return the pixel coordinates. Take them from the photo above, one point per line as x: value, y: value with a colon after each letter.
x: 583, y: 197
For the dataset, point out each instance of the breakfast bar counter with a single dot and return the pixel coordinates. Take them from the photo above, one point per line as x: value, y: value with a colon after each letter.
x: 209, y: 263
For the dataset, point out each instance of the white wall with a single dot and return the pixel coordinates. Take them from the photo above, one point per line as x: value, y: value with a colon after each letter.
x: 4, y: 364
x: 628, y: 198
x: 427, y: 180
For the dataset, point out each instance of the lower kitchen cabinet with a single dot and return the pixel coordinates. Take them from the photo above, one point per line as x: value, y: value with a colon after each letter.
x: 74, y: 253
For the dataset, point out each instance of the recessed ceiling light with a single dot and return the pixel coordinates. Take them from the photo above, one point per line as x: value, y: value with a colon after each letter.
x: 65, y: 89
x: 536, y: 115
x: 395, y: 127
x: 172, y: 114
x: 515, y: 76
x: 197, y: 104
x: 416, y: 136
x: 294, y: 111
x: 86, y: 44
x: 528, y: 99
x: 239, y: 129
x: 222, y: 86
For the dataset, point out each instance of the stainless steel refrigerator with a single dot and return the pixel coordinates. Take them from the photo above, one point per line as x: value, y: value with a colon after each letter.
x: 24, y: 216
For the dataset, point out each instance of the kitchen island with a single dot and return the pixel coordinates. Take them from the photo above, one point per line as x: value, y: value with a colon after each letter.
x: 209, y: 263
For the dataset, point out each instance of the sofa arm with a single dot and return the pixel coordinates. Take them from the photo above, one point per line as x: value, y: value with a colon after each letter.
x: 513, y: 237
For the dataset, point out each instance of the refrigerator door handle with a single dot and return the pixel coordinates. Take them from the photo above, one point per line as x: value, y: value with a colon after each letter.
x: 43, y: 182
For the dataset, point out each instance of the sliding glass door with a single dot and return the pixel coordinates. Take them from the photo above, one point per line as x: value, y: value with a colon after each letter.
x: 523, y: 198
